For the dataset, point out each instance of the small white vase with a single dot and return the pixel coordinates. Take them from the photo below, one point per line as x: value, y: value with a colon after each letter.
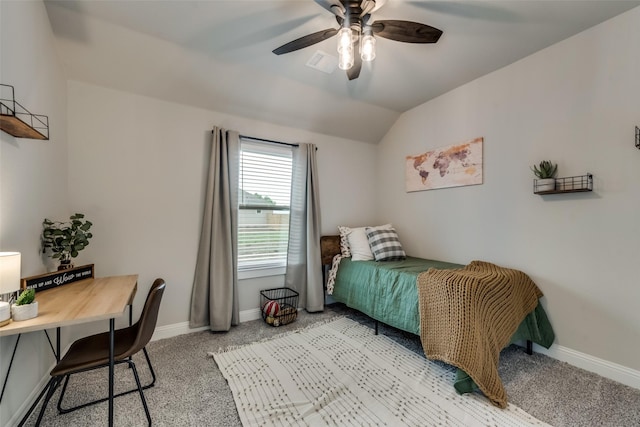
x: 546, y: 184
x: 24, y: 312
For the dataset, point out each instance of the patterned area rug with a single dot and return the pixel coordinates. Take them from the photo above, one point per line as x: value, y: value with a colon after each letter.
x: 339, y: 373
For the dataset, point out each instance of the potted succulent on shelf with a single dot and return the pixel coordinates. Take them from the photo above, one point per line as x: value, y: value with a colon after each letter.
x: 66, y: 239
x: 545, y: 172
x: 25, y: 307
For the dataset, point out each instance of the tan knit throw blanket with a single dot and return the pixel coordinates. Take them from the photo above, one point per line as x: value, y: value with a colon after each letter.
x: 468, y: 315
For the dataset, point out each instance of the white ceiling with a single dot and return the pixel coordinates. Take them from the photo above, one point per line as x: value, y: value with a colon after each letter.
x: 217, y: 54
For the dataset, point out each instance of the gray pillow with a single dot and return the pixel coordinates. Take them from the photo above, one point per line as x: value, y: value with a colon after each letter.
x: 385, y: 244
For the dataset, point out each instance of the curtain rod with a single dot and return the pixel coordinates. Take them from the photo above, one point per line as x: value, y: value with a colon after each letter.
x: 268, y: 140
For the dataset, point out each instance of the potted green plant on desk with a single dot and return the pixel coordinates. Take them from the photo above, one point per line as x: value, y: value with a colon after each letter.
x: 25, y: 307
x: 66, y: 239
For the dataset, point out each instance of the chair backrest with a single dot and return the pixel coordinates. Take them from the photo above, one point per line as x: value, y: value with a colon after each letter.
x: 149, y: 316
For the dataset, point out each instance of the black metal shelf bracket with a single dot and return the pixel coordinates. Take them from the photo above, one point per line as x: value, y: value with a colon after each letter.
x: 17, y: 121
x: 570, y: 184
x: 637, y: 137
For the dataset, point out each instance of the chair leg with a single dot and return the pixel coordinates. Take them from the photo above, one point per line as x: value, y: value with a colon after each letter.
x: 62, y: 410
x: 64, y: 388
x: 35, y: 403
x: 52, y: 385
x: 153, y: 374
x: 144, y: 401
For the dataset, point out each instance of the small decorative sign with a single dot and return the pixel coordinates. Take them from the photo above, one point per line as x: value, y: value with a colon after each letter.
x: 57, y: 278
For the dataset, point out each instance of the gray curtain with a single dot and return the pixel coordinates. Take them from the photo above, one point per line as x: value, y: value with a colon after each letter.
x: 304, y: 270
x: 214, y: 298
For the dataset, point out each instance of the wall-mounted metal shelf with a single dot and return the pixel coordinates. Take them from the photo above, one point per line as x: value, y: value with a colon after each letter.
x: 570, y: 184
x: 17, y: 120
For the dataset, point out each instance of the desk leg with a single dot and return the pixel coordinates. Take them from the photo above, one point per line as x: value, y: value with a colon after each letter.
x: 4, y: 385
x: 49, y: 385
x: 111, y: 368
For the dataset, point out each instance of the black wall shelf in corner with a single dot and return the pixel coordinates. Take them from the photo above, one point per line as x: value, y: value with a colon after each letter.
x: 570, y: 184
x: 17, y: 120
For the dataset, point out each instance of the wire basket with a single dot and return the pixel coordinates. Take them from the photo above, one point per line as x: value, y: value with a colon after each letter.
x: 279, y: 306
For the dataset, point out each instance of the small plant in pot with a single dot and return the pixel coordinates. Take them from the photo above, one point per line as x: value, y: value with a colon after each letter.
x: 66, y: 239
x: 25, y: 307
x: 545, y: 172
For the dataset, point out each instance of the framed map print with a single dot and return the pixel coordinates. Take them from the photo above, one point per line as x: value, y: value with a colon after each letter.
x: 451, y: 166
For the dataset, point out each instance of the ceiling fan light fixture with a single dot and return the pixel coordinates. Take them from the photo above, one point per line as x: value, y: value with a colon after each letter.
x: 358, y: 33
x: 368, y: 48
x: 345, y: 39
x: 346, y: 58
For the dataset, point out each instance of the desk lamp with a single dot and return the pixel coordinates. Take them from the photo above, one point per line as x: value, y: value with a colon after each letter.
x: 9, y: 282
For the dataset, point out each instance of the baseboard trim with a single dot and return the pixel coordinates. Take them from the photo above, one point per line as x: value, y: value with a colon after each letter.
x: 613, y: 371
x: 26, y: 404
x: 604, y: 368
x: 169, y: 331
x: 22, y: 410
x: 248, y: 315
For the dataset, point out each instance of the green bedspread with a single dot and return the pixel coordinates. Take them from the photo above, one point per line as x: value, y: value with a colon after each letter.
x: 387, y: 292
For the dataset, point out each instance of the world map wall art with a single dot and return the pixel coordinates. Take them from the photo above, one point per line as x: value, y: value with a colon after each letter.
x: 451, y: 166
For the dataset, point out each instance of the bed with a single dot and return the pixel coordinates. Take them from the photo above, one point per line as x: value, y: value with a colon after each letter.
x: 387, y: 292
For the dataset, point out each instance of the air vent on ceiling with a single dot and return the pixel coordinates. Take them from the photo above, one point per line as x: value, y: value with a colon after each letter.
x: 322, y: 61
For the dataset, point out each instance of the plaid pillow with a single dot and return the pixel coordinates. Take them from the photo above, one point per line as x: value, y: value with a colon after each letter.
x: 385, y: 244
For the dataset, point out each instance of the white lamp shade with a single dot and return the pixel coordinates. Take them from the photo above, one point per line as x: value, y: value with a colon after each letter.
x: 9, y: 272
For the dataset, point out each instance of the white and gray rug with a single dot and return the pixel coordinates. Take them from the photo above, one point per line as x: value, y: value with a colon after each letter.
x: 340, y: 373
x: 192, y: 392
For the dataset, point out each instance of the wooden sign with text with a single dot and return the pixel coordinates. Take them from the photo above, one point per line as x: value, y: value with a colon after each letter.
x: 57, y: 278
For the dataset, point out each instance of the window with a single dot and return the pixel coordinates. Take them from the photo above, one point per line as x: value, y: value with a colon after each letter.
x: 264, y: 198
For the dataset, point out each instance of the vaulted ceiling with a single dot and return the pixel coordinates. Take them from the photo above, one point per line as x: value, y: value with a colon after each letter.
x: 217, y: 54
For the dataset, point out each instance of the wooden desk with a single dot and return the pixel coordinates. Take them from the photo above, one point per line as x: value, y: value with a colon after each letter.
x: 80, y: 302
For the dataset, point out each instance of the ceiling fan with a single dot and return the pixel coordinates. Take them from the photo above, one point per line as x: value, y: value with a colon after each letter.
x: 356, y: 41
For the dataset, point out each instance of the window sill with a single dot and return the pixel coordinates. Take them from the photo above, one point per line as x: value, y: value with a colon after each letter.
x: 261, y: 272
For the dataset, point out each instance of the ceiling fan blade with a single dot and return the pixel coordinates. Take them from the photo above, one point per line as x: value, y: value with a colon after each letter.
x: 306, y: 41
x: 354, y: 71
x: 406, y: 31
x: 334, y: 7
x: 367, y: 6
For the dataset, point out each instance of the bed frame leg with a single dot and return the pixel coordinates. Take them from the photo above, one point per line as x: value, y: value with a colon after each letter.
x: 376, y: 326
x: 529, y: 347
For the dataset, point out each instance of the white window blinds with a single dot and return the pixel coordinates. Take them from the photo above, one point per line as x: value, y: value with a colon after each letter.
x: 264, y: 198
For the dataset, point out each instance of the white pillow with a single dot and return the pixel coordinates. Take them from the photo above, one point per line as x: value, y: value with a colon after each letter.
x: 359, y: 245
x: 359, y: 249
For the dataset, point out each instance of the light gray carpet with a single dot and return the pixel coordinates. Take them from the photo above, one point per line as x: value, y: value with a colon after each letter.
x: 191, y: 391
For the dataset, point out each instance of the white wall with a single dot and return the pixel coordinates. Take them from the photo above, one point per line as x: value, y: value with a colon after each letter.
x: 575, y: 103
x: 33, y: 176
x: 137, y: 167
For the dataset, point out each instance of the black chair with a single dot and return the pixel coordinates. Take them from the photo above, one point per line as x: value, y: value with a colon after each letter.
x: 92, y: 352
